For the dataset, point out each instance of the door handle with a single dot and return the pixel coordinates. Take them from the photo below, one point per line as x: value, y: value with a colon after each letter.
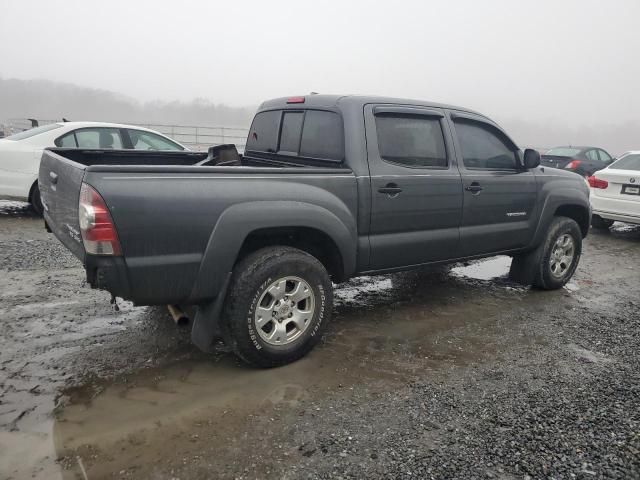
x: 54, y: 177
x: 473, y: 188
x: 390, y: 189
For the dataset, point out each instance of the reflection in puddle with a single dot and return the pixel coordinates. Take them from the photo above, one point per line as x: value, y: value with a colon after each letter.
x: 485, y: 269
x: 572, y: 287
x: 361, y: 285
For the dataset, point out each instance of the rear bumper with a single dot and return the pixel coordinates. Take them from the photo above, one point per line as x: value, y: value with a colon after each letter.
x: 617, y: 216
x: 143, y: 282
x: 108, y: 273
x: 616, y: 209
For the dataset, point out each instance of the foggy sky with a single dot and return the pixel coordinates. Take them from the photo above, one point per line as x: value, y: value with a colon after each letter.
x: 574, y: 62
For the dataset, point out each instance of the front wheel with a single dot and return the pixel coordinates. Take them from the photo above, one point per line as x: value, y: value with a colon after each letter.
x: 553, y: 263
x: 280, y: 301
x: 560, y: 254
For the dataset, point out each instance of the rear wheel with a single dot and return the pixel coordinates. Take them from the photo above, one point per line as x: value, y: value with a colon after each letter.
x: 36, y: 201
x: 600, y: 223
x: 279, y: 304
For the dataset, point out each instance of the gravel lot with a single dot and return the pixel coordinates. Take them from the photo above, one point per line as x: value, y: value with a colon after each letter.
x: 446, y: 374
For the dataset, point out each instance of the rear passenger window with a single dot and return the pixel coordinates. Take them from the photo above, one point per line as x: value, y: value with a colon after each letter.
x: 310, y: 134
x: 592, y: 155
x: 411, y: 140
x: 291, y: 130
x: 263, y: 135
x: 102, y: 138
x: 482, y: 148
x: 322, y: 136
x: 67, y: 141
x: 604, y: 156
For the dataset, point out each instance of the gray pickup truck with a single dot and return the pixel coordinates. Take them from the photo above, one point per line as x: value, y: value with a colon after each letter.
x: 328, y: 188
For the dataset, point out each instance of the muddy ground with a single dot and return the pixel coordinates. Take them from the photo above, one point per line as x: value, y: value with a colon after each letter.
x: 449, y: 374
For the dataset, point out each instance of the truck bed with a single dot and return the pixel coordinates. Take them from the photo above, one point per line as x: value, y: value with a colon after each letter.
x: 129, y: 157
x: 166, y: 211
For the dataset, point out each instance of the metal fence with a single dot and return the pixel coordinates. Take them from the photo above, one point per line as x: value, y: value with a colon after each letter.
x: 201, y: 137
x: 194, y: 137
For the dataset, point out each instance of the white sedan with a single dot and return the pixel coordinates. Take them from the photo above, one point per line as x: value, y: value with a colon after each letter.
x: 615, y: 192
x: 20, y: 153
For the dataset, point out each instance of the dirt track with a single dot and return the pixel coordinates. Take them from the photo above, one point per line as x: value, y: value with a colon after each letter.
x: 455, y: 374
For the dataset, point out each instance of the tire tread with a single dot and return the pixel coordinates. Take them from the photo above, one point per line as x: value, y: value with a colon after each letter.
x: 242, y: 287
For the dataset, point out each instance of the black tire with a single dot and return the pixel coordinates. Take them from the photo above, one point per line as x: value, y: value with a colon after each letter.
x: 36, y: 202
x: 544, y: 278
x: 250, y: 280
x: 600, y: 223
x: 534, y: 267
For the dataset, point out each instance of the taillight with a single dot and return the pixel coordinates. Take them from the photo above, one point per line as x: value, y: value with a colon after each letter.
x: 99, y: 234
x: 295, y: 100
x: 573, y: 164
x: 597, y: 182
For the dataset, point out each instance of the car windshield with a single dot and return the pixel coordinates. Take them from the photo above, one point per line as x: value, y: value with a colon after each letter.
x: 628, y: 162
x: 563, y: 151
x: 33, y: 132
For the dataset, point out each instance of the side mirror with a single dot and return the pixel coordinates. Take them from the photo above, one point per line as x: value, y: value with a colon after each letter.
x: 531, y: 158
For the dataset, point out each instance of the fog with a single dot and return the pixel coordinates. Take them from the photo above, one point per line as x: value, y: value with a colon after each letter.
x: 550, y: 72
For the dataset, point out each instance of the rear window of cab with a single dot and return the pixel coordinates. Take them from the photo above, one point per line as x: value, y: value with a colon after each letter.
x: 307, y: 134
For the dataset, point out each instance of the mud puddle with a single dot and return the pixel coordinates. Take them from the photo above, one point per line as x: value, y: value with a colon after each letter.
x: 497, y: 267
x: 386, y: 332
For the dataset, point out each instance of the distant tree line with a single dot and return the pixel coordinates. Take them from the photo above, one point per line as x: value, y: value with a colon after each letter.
x: 49, y: 100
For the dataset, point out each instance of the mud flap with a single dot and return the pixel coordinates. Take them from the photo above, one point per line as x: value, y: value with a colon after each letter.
x: 206, y: 325
x: 524, y: 267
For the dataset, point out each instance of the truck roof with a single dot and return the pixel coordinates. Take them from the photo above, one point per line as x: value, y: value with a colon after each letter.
x: 332, y: 101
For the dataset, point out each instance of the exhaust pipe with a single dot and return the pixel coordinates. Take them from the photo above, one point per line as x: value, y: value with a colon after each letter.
x: 178, y: 315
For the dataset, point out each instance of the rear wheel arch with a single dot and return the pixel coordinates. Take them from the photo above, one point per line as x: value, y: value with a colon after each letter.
x: 245, y: 227
x: 308, y: 239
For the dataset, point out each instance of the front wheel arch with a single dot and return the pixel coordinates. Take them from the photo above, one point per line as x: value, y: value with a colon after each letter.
x: 577, y: 213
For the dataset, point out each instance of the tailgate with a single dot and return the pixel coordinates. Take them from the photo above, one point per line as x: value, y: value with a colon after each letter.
x: 60, y: 180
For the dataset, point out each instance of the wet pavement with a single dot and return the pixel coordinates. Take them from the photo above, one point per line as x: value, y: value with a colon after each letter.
x: 451, y: 373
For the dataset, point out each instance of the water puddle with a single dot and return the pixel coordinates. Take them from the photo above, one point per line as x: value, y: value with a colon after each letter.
x: 361, y: 286
x: 572, y: 287
x: 491, y: 268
